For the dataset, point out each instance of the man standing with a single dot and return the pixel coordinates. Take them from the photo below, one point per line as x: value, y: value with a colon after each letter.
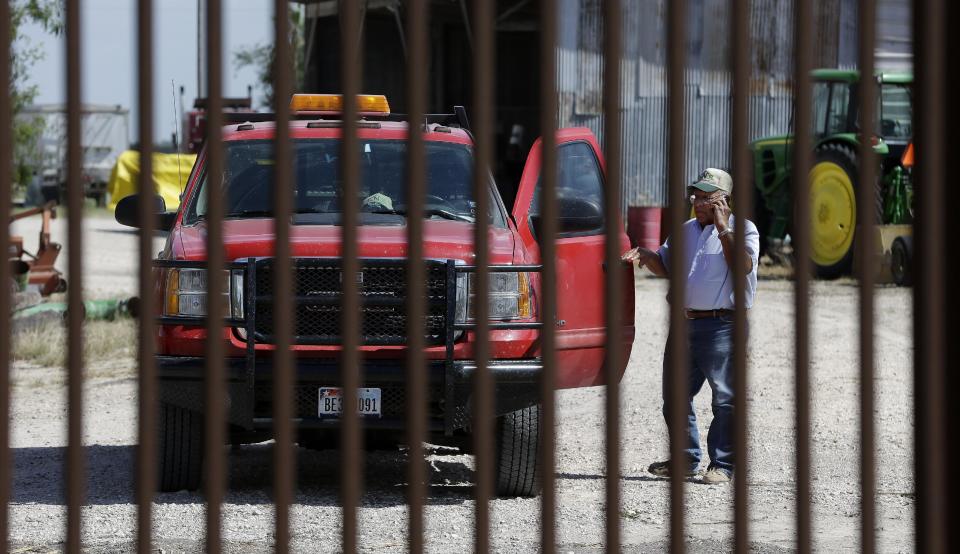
x: 708, y: 258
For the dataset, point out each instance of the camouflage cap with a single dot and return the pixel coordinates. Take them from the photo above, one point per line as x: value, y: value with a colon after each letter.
x: 713, y: 179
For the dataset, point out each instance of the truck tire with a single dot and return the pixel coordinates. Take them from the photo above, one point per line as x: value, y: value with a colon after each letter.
x: 517, y: 452
x: 901, y: 261
x: 179, y: 448
x: 833, y: 209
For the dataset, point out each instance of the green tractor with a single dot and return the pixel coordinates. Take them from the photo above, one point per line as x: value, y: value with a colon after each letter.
x: 833, y: 177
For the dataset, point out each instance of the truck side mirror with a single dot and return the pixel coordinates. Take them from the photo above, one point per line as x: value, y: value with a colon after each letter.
x: 128, y: 212
x: 577, y: 215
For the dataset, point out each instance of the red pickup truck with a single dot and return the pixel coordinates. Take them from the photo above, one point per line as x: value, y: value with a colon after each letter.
x: 448, y: 244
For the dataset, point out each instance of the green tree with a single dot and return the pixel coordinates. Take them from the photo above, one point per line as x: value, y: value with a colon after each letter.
x: 260, y: 56
x: 23, y: 55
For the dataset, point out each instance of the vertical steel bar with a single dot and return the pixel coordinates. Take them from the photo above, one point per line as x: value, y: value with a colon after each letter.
x: 76, y: 469
x: 865, y: 239
x: 613, y: 299
x: 743, y: 200
x: 351, y: 72
x: 931, y: 286
x: 677, y: 341
x: 548, y: 256
x: 6, y: 172
x: 803, y: 60
x: 147, y: 417
x: 215, y: 422
x: 418, y: 13
x: 284, y: 456
x: 483, y: 87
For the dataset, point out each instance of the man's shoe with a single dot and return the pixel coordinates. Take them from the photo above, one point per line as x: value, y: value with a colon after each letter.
x: 662, y: 469
x: 716, y: 475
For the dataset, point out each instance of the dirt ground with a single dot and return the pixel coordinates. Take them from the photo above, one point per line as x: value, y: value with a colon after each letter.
x: 39, y: 436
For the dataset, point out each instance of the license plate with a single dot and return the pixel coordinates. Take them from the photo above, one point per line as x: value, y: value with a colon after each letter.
x: 331, y: 402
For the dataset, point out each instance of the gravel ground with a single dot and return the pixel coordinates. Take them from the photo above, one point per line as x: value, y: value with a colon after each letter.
x: 39, y: 434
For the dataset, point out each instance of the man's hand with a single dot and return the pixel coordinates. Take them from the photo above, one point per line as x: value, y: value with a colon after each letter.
x: 639, y: 254
x: 721, y: 214
x: 645, y: 257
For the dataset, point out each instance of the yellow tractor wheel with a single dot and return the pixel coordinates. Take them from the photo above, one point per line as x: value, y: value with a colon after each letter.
x: 833, y: 209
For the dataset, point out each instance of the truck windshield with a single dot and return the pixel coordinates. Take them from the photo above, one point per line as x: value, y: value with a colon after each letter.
x: 248, y: 179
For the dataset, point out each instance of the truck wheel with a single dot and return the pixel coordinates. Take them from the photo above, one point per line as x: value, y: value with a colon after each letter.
x: 518, y: 448
x: 901, y: 261
x: 833, y: 209
x: 180, y: 448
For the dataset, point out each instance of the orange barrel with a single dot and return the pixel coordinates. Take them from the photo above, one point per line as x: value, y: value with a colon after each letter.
x: 643, y: 226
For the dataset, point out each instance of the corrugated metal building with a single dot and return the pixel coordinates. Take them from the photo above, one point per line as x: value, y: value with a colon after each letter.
x: 644, y: 102
x: 708, y: 83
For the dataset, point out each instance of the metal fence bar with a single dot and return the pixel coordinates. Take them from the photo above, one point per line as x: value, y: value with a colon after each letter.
x: 803, y: 56
x: 284, y: 455
x: 483, y: 98
x: 350, y: 441
x: 866, y: 240
x: 743, y: 200
x: 6, y: 170
x: 146, y: 470
x: 613, y: 298
x: 75, y: 470
x: 677, y: 341
x: 548, y: 257
x: 418, y: 25
x: 929, y: 292
x: 215, y: 422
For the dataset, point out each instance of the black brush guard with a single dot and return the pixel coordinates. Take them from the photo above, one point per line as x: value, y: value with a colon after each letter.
x: 317, y: 301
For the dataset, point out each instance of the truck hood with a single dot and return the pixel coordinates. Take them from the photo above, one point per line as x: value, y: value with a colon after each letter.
x: 246, y: 238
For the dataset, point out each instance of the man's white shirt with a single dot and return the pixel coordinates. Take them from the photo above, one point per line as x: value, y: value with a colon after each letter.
x: 709, y: 278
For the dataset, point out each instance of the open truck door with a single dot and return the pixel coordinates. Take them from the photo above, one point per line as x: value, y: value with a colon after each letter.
x: 581, y: 333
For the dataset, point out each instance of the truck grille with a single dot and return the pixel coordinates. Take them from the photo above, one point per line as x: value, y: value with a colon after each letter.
x: 383, y: 295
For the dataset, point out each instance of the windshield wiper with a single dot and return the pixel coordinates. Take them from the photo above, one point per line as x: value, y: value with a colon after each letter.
x: 250, y: 213
x: 428, y: 212
x: 263, y: 213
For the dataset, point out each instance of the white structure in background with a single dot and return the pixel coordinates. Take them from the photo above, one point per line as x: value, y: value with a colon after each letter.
x: 105, y: 134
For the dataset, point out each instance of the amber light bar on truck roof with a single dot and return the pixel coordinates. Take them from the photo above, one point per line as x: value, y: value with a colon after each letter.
x: 327, y: 104
x: 456, y: 119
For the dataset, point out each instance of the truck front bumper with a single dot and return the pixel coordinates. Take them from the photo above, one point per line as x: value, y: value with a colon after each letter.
x: 249, y: 389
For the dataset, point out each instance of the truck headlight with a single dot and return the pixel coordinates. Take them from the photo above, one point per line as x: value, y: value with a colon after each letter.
x: 509, y: 296
x: 186, y: 293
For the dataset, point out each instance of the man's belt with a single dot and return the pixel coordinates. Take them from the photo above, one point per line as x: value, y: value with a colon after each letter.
x: 701, y: 314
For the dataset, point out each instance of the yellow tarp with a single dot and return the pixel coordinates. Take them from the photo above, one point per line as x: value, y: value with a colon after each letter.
x: 170, y: 172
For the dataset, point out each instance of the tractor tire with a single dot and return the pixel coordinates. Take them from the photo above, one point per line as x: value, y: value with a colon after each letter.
x: 833, y: 209
x: 901, y: 261
x: 761, y: 218
x: 180, y: 448
x: 517, y: 452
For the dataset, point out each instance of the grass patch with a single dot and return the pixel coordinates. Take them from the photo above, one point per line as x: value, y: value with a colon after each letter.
x: 46, y: 344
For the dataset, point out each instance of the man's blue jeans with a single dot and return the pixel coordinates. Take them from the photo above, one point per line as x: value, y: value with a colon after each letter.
x: 710, y: 351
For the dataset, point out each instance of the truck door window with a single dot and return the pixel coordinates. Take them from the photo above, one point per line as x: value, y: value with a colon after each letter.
x: 579, y: 177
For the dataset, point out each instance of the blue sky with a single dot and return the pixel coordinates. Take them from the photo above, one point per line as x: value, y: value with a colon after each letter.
x: 109, y: 53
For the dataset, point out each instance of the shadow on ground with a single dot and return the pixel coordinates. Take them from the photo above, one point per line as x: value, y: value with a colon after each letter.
x: 38, y: 477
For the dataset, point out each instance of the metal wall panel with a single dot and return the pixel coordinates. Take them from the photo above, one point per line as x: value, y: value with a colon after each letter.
x: 707, y: 95
x: 643, y: 116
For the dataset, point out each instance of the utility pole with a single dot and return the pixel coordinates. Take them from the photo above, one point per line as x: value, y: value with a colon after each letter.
x: 201, y: 42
